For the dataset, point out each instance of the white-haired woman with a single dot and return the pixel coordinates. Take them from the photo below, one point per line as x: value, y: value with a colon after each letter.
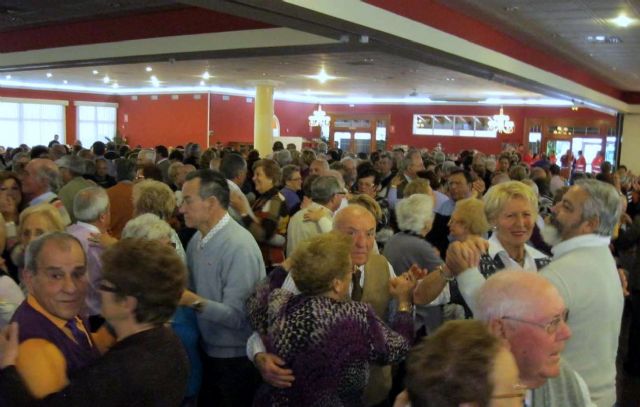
x: 184, y: 323
x: 409, y: 249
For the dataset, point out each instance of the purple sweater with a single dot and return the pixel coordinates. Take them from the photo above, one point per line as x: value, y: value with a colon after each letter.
x: 328, y: 345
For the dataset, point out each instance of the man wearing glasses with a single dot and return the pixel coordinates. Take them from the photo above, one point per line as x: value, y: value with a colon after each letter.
x: 527, y: 311
x: 584, y: 273
x: 54, y: 340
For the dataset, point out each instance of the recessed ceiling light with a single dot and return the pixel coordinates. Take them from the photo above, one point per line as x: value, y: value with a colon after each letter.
x: 154, y: 81
x: 202, y: 83
x: 7, y: 77
x: 65, y: 81
x: 95, y: 72
x: 450, y: 79
x: 622, y: 21
x: 49, y: 74
x: 148, y: 69
x: 106, y: 79
x: 115, y: 85
x: 206, y: 75
x: 322, y: 76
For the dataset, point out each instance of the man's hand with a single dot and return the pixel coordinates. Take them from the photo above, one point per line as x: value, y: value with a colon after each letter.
x: 417, y: 272
x: 272, y: 370
x: 9, y: 345
x: 102, y: 239
x: 189, y: 298
x: 462, y: 256
x: 237, y: 202
x: 314, y: 215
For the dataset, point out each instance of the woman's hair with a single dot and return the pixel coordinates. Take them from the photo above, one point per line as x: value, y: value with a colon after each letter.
x: 5, y: 175
x: 369, y: 204
x: 413, y: 213
x: 498, y: 195
x: 471, y: 213
x: 48, y: 211
x: 417, y: 186
x: 151, y: 196
x: 271, y: 170
x: 147, y: 226
x: 148, y: 271
x: 453, y: 366
x: 318, y: 261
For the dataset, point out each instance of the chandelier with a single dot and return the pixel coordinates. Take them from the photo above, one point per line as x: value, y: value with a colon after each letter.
x: 501, y: 123
x: 319, y: 118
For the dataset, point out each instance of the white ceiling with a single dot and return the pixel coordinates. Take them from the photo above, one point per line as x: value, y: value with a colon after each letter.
x: 361, y: 74
x: 562, y: 26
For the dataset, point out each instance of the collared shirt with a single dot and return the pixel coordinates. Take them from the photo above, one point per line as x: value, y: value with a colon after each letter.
x: 590, y: 240
x: 530, y: 254
x: 44, y: 198
x: 221, y: 223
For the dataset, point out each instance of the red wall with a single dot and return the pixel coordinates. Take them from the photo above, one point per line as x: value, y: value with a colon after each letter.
x: 67, y: 96
x: 172, y: 122
x: 163, y: 121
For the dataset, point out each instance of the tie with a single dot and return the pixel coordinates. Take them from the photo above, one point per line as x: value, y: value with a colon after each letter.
x: 78, y: 335
x: 356, y: 291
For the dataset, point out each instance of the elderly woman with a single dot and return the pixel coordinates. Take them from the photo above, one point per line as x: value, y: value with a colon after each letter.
x: 183, y: 322
x: 409, y: 249
x: 468, y: 219
x: 462, y: 364
x: 150, y: 196
x: 326, y: 339
x: 268, y: 217
x: 141, y: 286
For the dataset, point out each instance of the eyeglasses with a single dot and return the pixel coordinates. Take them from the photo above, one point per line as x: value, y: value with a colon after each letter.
x: 550, y: 327
x: 518, y: 392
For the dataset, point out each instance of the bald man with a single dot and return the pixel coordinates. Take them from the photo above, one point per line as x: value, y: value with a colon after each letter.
x: 527, y: 311
x: 370, y: 284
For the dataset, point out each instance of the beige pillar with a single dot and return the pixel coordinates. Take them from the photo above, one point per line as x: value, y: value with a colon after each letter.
x: 262, y: 119
x: 631, y: 142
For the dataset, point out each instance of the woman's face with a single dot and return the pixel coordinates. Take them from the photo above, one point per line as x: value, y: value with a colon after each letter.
x: 507, y: 390
x: 515, y: 222
x: 34, y: 226
x: 11, y: 188
x: 262, y: 182
x: 458, y: 228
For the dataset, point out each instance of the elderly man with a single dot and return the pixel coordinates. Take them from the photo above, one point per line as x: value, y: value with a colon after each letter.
x: 527, y: 311
x: 146, y: 156
x: 326, y: 194
x: 585, y: 274
x: 41, y: 178
x: 409, y: 167
x: 370, y: 284
x: 319, y: 166
x: 225, y: 264
x: 54, y: 340
x: 234, y: 169
x: 72, y: 169
x: 92, y: 210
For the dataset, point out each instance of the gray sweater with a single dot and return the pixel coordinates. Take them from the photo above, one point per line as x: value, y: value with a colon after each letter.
x: 224, y: 271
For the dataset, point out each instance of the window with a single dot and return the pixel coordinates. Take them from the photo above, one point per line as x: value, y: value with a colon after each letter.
x: 31, y: 122
x: 451, y: 125
x: 96, y: 122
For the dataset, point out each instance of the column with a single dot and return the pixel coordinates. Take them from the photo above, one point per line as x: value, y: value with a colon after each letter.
x: 262, y: 119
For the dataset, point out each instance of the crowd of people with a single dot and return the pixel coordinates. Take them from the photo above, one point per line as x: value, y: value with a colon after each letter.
x: 191, y: 277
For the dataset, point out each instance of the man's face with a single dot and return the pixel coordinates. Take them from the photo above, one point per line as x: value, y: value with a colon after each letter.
x: 295, y: 182
x: 363, y: 231
x: 384, y: 165
x: 194, y: 208
x: 415, y: 166
x: 350, y: 169
x: 537, y: 351
x: 503, y: 165
x: 566, y: 215
x: 459, y: 188
x: 60, y: 282
x: 101, y: 168
x: 31, y: 185
x: 316, y: 168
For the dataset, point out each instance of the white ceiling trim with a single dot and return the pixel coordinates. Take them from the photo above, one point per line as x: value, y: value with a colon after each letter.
x: 30, y: 100
x: 262, y: 38
x: 384, y: 21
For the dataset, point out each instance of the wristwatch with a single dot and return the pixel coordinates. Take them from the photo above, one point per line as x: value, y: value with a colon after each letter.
x: 447, y: 276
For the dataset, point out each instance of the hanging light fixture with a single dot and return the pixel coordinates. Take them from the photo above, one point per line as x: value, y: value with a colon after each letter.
x: 501, y: 123
x: 319, y: 118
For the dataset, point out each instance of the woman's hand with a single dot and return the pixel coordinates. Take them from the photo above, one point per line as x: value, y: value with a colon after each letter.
x: 237, y: 201
x: 401, y: 288
x: 314, y: 215
x: 9, y: 345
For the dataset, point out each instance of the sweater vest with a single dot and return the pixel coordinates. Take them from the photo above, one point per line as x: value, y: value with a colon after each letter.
x: 563, y: 390
x: 376, y: 293
x: 34, y: 325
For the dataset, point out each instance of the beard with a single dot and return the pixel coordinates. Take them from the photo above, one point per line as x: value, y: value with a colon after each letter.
x: 550, y: 234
